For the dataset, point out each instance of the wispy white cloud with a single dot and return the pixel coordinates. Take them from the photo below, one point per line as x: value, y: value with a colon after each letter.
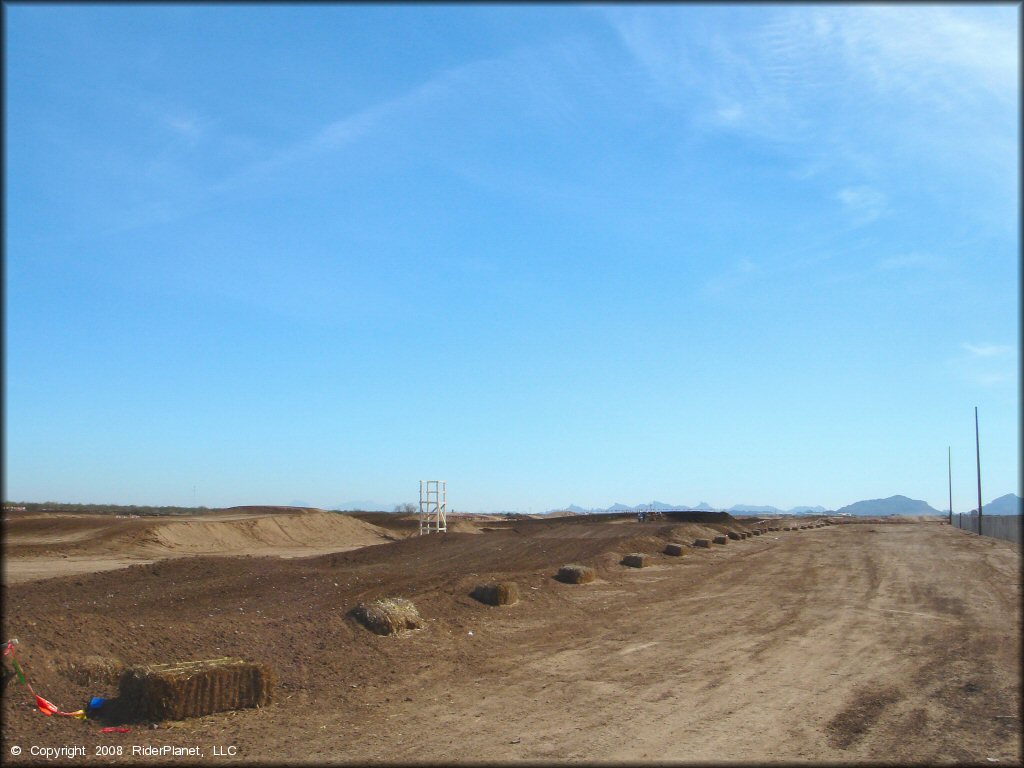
x: 986, y: 364
x: 739, y: 273
x: 987, y: 350
x: 259, y: 165
x: 187, y: 126
x: 862, y: 204
x: 906, y: 261
x: 865, y: 92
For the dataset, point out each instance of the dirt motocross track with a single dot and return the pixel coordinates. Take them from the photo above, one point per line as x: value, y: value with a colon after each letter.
x: 870, y: 641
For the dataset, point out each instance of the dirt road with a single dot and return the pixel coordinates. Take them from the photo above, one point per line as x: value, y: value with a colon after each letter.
x: 862, y: 642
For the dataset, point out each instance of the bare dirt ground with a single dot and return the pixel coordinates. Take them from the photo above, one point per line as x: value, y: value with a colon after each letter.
x: 866, y: 642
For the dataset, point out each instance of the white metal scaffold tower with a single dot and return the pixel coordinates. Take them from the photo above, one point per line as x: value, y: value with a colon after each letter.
x: 433, y: 506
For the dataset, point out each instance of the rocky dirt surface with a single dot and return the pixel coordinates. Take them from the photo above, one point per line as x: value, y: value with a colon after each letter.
x: 847, y: 643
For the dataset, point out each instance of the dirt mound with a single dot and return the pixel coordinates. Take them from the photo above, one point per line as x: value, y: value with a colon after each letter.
x: 45, y: 546
x: 250, y: 536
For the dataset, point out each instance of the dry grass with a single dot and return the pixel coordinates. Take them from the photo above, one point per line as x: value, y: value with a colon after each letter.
x: 501, y: 593
x: 388, y: 616
x: 721, y: 539
x: 576, y: 574
x: 196, y: 688
x: 676, y: 550
x: 635, y: 560
x: 702, y: 542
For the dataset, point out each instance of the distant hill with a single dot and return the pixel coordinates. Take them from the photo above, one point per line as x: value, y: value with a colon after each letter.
x: 660, y: 506
x: 577, y: 510
x: 894, y: 505
x: 807, y: 510
x: 1010, y: 504
x: 747, y: 509
x: 743, y: 509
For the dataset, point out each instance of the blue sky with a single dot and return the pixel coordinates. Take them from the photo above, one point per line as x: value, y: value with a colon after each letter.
x: 740, y: 254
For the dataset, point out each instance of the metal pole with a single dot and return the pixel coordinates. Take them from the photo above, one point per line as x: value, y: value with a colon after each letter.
x: 949, y: 457
x: 977, y: 452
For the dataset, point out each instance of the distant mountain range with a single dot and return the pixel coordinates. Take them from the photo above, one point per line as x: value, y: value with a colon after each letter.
x: 1010, y: 504
x: 660, y: 506
x: 894, y: 505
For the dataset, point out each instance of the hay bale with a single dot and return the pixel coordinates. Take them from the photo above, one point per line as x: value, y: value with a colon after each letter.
x: 757, y: 531
x: 720, y: 539
x: 733, y: 535
x: 576, y: 574
x: 500, y: 593
x: 635, y: 560
x: 388, y: 616
x: 676, y: 550
x: 702, y: 543
x: 194, y: 688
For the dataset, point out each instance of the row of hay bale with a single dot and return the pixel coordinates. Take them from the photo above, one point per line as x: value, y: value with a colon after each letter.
x: 181, y: 690
x: 197, y: 688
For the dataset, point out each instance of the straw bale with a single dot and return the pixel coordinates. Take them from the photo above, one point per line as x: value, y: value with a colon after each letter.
x: 576, y: 574
x: 733, y: 535
x: 388, y: 616
x: 757, y: 531
x: 674, y: 549
x: 701, y: 542
x: 195, y: 688
x: 635, y: 560
x: 500, y: 593
x: 721, y: 539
